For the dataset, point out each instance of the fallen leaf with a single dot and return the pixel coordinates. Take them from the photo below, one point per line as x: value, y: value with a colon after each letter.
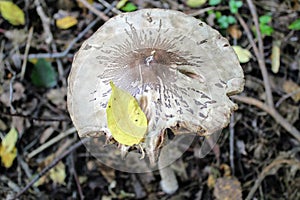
x: 43, y: 74
x: 195, y: 3
x: 290, y: 87
x: 234, y: 31
x: 12, y: 13
x: 121, y: 3
x: 227, y: 188
x: 66, y: 22
x: 275, y: 56
x: 8, y: 151
x: 126, y: 120
x: 244, y: 55
x: 58, y: 173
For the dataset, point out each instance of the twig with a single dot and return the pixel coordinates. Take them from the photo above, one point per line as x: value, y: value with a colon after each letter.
x: 201, y: 11
x: 73, y: 171
x: 45, y: 21
x: 109, y: 6
x: 271, y: 111
x: 73, y: 42
x: 231, y: 143
x: 49, y: 167
x: 51, y: 142
x: 270, y: 169
x: 94, y: 10
x: 255, y: 19
x: 33, y: 118
x: 26, y: 52
x: 284, y: 97
x: 261, y: 62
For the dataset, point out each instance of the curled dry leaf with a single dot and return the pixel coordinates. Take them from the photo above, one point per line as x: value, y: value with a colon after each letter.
x: 180, y: 71
x: 292, y: 87
x: 228, y: 188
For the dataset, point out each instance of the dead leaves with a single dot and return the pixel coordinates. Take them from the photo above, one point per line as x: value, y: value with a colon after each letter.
x: 226, y: 187
x: 291, y: 87
x: 8, y: 151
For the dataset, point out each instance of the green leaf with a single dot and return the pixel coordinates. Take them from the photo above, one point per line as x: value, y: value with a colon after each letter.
x: 214, y: 2
x: 231, y: 19
x: 266, y: 29
x: 43, y: 74
x: 129, y: 7
x: 234, y: 6
x: 224, y: 21
x: 295, y: 25
x: 265, y: 19
x: 218, y: 14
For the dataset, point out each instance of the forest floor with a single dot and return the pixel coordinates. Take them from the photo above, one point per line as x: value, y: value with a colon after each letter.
x: 256, y: 157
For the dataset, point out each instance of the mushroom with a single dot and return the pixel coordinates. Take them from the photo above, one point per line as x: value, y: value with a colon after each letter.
x: 179, y: 69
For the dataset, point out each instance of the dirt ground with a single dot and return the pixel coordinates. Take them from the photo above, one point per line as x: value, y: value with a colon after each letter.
x: 256, y: 157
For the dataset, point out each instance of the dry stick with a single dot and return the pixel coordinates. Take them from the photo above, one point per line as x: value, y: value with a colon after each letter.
x: 94, y: 10
x: 26, y: 52
x: 270, y: 169
x: 261, y: 62
x: 51, y: 142
x: 45, y: 20
x: 73, y: 42
x: 286, y: 96
x: 231, y: 143
x: 271, y: 111
x: 49, y: 167
x: 109, y: 6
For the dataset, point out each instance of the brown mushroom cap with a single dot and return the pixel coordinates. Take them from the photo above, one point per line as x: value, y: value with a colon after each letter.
x: 179, y: 69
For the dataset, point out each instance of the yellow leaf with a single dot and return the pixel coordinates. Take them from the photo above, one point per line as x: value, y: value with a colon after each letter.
x: 58, y: 173
x: 126, y: 120
x: 275, y: 56
x: 66, y: 22
x: 8, y: 151
x: 195, y: 3
x: 12, y: 13
x: 243, y: 54
x: 121, y: 3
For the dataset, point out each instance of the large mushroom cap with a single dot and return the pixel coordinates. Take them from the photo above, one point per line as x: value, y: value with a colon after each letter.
x: 179, y: 69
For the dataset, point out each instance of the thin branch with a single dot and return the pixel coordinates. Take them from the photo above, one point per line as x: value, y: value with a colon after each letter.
x: 73, y: 42
x: 272, y: 168
x: 26, y: 52
x: 271, y: 111
x: 49, y: 167
x: 94, y: 10
x: 255, y: 19
x: 30, y: 117
x: 51, y: 142
x: 261, y: 62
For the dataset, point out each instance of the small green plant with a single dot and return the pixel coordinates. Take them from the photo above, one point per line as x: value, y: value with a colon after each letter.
x: 225, y: 21
x: 295, y: 25
x: 214, y: 2
x: 234, y: 6
x: 264, y: 26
